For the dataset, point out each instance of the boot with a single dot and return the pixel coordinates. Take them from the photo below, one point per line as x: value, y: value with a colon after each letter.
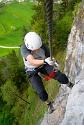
x: 50, y: 108
x: 70, y: 85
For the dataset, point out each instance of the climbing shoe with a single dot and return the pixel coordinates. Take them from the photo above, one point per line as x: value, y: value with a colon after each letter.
x: 70, y: 85
x: 50, y: 108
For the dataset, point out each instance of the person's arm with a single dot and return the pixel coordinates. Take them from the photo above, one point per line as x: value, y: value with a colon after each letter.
x: 36, y: 62
x: 33, y: 61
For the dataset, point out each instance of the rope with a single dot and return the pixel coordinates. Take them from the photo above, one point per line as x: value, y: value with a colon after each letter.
x: 49, y: 12
x: 20, y: 98
x: 8, y: 90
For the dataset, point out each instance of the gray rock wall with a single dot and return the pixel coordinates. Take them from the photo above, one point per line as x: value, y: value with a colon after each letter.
x: 74, y: 68
x: 75, y: 104
x: 75, y: 48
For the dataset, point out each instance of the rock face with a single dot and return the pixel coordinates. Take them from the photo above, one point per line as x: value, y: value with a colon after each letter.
x: 70, y: 103
x: 75, y: 104
x: 74, y: 68
x: 75, y: 53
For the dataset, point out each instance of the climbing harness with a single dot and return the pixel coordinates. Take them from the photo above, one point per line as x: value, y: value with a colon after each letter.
x: 50, y: 76
x: 49, y: 12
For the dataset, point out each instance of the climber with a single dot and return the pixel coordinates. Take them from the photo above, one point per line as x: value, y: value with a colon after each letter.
x: 36, y: 57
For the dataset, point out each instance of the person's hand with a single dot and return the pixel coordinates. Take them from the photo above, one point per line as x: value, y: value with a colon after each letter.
x: 49, y: 61
x: 57, y: 66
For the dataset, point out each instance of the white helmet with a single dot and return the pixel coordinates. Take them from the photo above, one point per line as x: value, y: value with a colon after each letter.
x: 32, y: 41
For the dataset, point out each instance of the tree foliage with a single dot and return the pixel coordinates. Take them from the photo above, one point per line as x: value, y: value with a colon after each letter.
x: 13, y: 82
x: 62, y: 30
x: 13, y: 69
x: 6, y: 118
x: 8, y: 90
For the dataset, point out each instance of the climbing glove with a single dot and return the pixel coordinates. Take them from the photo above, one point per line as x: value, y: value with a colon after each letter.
x: 49, y: 61
x: 56, y: 65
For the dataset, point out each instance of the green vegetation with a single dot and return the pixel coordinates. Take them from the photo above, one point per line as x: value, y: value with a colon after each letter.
x: 14, y: 23
x: 5, y: 117
x: 14, y: 18
x: 6, y: 51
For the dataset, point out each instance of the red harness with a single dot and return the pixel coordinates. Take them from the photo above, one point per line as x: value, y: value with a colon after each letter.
x: 52, y: 74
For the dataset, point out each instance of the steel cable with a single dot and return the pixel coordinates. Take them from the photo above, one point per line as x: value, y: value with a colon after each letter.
x: 49, y: 13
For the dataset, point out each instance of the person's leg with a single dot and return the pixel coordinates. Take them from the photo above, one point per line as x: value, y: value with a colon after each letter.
x: 59, y: 76
x: 44, y: 97
x: 37, y: 84
x: 63, y: 79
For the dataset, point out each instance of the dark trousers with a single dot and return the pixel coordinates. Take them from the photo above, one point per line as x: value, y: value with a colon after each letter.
x: 36, y: 80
